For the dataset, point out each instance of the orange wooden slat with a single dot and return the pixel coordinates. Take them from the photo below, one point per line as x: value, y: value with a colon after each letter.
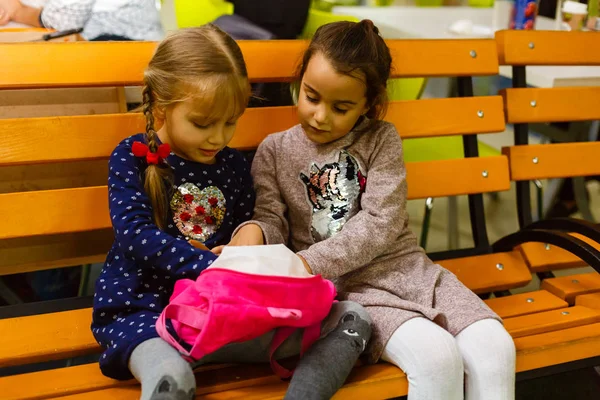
x: 569, y: 287
x: 591, y: 300
x: 557, y: 160
x: 55, y: 211
x: 442, y: 117
x: 457, y: 177
x: 479, y: 273
x: 385, y: 381
x: 552, y: 348
x: 57, y: 262
x: 12, y: 30
x: 56, y: 251
x: 53, y: 383
x: 490, y: 272
x: 49, y: 337
x: 552, y: 105
x: 86, y: 209
x: 548, y: 48
x: 87, y: 378
x: 74, y: 64
x: 549, y: 321
x: 217, y: 378
x: 380, y: 381
x: 430, y: 58
x: 525, y: 303
x: 542, y: 257
x: 24, y: 140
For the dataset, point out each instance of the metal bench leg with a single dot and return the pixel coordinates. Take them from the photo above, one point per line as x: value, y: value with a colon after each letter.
x: 8, y: 294
x: 581, y: 198
x: 84, y: 281
x: 453, y: 239
x: 426, y: 222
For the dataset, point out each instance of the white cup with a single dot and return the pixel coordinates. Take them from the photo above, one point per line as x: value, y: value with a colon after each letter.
x: 573, y: 15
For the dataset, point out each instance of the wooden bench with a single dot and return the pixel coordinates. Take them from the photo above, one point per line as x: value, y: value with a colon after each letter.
x: 73, y: 226
x: 529, y: 162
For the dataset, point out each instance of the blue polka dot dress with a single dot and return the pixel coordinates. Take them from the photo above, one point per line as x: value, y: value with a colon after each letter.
x: 206, y: 203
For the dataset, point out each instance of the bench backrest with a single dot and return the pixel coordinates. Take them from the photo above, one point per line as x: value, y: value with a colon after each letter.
x: 523, y: 106
x: 69, y: 223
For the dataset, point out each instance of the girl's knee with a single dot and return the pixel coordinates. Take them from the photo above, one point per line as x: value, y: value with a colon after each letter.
x: 342, y: 309
x: 443, y: 360
x: 423, y: 349
x: 487, y: 348
x: 346, y: 306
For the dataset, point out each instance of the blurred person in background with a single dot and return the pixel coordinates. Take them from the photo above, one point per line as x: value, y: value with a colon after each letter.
x: 99, y: 19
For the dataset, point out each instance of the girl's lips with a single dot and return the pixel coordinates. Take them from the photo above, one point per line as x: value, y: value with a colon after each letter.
x: 317, y: 131
x: 209, y: 152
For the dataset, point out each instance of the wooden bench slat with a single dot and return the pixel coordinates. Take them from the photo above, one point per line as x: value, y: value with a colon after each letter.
x: 69, y: 332
x: 60, y: 211
x: 431, y: 58
x: 569, y: 287
x: 533, y: 352
x: 591, y: 300
x: 558, y: 347
x: 428, y: 58
x: 56, y: 211
x: 56, y: 251
x: 553, y: 160
x: 548, y: 321
x: 549, y: 48
x: 381, y: 380
x: 51, y: 383
x: 552, y: 105
x: 24, y: 141
x: 457, y: 177
x: 452, y: 116
x: 71, y: 329
x: 119, y: 393
x: 88, y: 378
x: 525, y: 303
x: 490, y: 272
x: 541, y: 257
x: 212, y: 378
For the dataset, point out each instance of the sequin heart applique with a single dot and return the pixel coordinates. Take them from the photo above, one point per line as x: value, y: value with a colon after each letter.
x: 197, y: 213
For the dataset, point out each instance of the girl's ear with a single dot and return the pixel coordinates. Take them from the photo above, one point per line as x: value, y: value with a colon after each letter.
x: 159, y: 113
x: 365, y: 110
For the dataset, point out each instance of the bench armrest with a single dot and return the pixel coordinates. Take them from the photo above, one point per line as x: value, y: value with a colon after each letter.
x: 573, y: 225
x: 563, y: 240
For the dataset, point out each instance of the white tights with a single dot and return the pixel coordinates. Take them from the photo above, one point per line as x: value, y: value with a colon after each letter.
x: 477, y: 364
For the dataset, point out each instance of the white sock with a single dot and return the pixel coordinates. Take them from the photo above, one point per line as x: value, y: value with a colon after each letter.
x: 489, y: 357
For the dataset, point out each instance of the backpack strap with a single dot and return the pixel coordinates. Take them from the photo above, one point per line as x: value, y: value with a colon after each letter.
x: 185, y: 314
x: 311, y: 334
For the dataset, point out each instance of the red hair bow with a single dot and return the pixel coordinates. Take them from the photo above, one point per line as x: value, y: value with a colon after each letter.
x: 140, y: 149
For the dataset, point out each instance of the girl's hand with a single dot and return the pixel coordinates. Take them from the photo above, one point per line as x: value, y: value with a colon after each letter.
x: 8, y: 9
x: 248, y: 235
x: 306, y: 266
x: 198, y: 245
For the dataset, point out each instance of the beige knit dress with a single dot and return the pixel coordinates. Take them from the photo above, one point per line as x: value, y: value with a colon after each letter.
x: 342, y: 206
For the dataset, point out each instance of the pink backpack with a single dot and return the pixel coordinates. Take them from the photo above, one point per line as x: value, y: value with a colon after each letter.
x: 225, y: 306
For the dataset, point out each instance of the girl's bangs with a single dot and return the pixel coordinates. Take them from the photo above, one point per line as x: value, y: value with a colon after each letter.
x: 221, y: 96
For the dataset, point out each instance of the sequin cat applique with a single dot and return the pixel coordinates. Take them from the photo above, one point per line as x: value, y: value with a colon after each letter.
x: 334, y: 194
x: 198, y: 213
